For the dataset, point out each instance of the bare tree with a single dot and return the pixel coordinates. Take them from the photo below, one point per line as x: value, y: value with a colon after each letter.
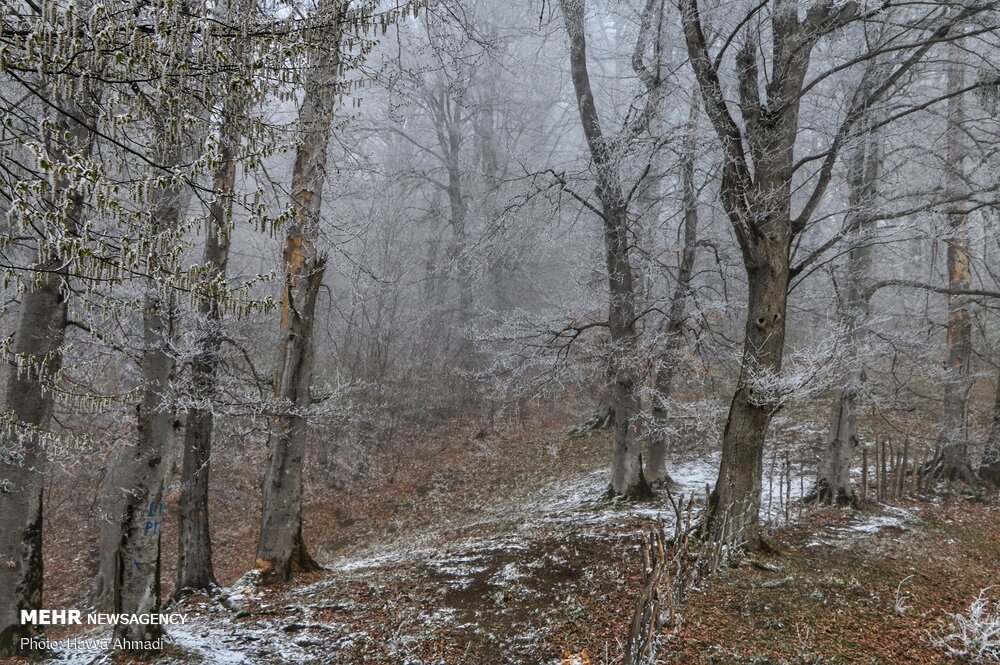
x: 952, y: 459
x: 626, y: 465
x: 864, y: 166
x: 281, y: 549
x: 759, y: 166
x: 676, y: 314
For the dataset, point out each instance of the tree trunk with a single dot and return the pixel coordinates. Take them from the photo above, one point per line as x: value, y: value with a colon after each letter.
x: 626, y: 462
x: 734, y: 504
x: 111, y: 502
x: 989, y: 468
x: 194, y: 554
x: 137, y: 580
x: 35, y: 360
x: 138, y: 555
x: 448, y: 123
x: 281, y: 550
x: 37, y: 344
x: 864, y: 170
x: 952, y: 460
x: 656, y: 466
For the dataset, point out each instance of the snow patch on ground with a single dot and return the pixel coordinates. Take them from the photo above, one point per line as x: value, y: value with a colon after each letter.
x: 892, y: 518
x: 861, y: 525
x: 209, y: 644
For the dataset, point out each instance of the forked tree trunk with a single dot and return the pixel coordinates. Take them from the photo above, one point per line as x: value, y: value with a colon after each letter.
x: 759, y: 165
x: 756, y: 190
x: 36, y: 357
x: 626, y: 461
x: 281, y: 549
x: 656, y: 458
x: 194, y: 553
x: 952, y: 458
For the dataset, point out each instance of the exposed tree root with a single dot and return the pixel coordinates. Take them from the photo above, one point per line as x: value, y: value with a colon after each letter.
x: 822, y: 494
x: 641, y: 491
x: 940, y: 467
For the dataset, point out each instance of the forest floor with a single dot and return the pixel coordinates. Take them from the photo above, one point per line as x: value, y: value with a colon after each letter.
x: 500, y: 549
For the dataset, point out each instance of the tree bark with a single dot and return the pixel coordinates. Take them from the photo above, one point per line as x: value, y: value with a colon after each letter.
x: 656, y: 467
x: 863, y: 172
x: 137, y: 574
x: 138, y: 555
x: 194, y: 554
x: 36, y: 358
x: 734, y: 504
x: 952, y: 458
x: 626, y: 462
x: 989, y: 468
x: 37, y: 345
x: 281, y: 549
x: 111, y: 502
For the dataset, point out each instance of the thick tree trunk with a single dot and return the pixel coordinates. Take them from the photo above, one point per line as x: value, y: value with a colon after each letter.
x: 952, y: 458
x: 137, y: 570
x: 989, y: 468
x: 194, y: 555
x: 137, y: 579
x: 35, y: 359
x: 758, y: 203
x: 656, y: 465
x: 36, y: 347
x: 281, y: 549
x: 111, y: 508
x: 734, y: 504
x: 626, y: 461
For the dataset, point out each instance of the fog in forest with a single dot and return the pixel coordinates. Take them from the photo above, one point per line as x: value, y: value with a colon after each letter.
x: 473, y: 332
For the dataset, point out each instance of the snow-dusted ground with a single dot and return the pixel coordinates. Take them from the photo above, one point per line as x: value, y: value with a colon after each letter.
x: 293, y: 630
x: 214, y: 635
x: 892, y: 518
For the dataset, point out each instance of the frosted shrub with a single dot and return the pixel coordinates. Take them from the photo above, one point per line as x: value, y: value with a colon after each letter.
x: 976, y: 635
